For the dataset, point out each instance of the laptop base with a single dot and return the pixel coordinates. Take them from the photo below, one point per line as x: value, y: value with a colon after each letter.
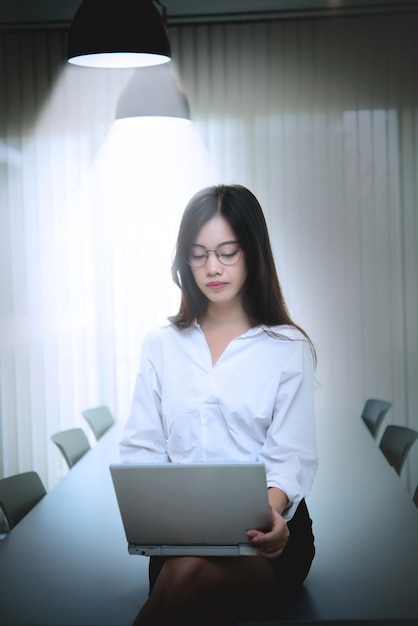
x: 190, y: 550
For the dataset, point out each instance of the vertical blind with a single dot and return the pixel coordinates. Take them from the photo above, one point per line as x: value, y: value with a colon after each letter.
x: 317, y: 116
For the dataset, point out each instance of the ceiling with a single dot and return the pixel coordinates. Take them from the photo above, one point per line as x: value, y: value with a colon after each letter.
x: 40, y: 13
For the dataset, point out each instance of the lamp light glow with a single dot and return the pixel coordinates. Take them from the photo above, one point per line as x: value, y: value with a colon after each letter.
x: 153, y: 96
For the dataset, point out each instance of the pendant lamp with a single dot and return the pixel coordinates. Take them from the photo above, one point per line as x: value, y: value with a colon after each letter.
x: 118, y: 33
x: 153, y: 92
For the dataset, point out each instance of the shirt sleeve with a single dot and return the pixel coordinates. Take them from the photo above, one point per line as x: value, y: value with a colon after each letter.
x: 290, y: 451
x: 143, y: 439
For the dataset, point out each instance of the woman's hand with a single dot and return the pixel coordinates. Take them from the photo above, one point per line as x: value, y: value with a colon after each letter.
x: 272, y: 543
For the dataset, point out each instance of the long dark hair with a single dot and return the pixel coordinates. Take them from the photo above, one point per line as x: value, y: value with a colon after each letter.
x: 262, y: 296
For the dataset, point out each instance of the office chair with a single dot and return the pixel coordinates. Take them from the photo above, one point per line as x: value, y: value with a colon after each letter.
x: 19, y: 494
x: 396, y: 443
x: 99, y: 418
x: 72, y: 443
x: 373, y: 413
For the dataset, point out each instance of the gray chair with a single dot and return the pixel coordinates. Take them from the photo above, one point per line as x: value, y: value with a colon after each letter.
x: 19, y: 494
x: 373, y: 413
x: 72, y: 443
x: 99, y: 418
x: 396, y: 443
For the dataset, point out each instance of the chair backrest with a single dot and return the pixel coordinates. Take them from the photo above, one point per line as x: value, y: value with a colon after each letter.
x: 373, y: 413
x: 396, y: 443
x: 19, y: 494
x: 99, y: 418
x: 73, y: 444
x: 415, y: 498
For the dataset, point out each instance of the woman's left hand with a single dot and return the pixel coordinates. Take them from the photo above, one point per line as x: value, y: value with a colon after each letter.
x: 272, y: 543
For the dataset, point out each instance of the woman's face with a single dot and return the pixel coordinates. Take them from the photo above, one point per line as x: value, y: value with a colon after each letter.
x: 218, y: 281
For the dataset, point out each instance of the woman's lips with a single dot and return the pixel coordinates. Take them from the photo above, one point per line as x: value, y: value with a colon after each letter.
x: 216, y: 286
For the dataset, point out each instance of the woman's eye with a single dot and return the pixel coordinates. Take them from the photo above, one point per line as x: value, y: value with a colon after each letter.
x: 228, y: 255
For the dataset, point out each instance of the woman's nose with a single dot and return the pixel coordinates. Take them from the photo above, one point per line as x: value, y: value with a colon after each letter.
x: 213, y: 264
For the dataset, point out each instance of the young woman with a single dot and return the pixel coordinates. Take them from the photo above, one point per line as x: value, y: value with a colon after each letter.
x: 229, y: 378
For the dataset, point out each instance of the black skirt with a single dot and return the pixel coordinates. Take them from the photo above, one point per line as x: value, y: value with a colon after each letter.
x: 290, y: 568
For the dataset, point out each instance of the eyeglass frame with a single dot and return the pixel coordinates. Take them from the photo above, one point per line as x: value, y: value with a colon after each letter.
x: 205, y: 253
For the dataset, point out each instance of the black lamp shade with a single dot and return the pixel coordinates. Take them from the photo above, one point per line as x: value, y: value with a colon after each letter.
x: 118, y: 33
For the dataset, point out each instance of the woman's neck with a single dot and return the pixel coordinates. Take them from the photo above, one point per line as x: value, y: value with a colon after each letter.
x: 220, y: 325
x: 223, y: 316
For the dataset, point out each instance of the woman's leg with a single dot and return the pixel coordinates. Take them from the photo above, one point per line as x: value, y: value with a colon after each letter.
x: 194, y: 591
x: 188, y: 589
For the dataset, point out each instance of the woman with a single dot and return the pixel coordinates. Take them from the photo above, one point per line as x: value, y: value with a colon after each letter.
x: 229, y: 378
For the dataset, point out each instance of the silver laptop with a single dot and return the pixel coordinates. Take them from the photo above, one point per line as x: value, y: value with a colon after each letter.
x: 199, y: 509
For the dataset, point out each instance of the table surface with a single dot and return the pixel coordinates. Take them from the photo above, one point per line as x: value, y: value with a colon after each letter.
x: 366, y: 530
x: 66, y: 563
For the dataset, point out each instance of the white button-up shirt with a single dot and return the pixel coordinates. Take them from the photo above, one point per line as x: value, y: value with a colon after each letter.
x: 255, y: 404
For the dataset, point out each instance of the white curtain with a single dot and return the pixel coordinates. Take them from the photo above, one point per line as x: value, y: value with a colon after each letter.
x: 318, y: 117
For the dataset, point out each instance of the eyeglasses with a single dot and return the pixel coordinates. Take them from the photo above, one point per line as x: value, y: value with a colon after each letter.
x: 227, y: 254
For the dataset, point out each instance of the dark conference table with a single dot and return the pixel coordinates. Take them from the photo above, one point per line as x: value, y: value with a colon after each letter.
x: 66, y: 563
